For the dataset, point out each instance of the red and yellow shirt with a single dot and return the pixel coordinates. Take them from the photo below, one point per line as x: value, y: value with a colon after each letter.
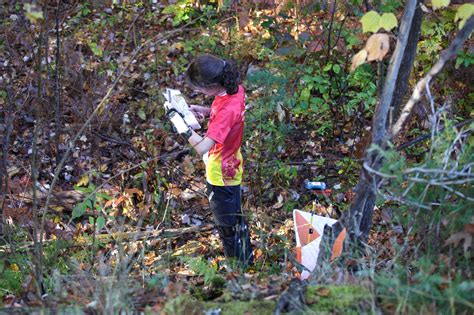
x: 224, y: 163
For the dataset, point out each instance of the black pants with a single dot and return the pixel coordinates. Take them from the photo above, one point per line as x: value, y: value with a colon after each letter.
x: 225, y: 204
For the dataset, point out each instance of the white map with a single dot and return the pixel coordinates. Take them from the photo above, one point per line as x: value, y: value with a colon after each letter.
x: 176, y: 100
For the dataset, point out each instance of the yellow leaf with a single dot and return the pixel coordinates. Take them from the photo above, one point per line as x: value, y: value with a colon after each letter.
x: 464, y: 12
x: 388, y: 21
x: 377, y: 46
x: 14, y: 267
x: 84, y: 180
x: 358, y: 59
x: 103, y: 167
x: 370, y: 22
x: 188, y: 165
x: 439, y: 3
x: 57, y: 208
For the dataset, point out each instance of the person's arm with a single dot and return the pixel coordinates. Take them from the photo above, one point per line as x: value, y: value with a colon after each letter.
x: 201, y: 144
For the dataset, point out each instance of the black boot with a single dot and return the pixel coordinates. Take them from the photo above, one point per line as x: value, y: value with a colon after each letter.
x: 236, y: 242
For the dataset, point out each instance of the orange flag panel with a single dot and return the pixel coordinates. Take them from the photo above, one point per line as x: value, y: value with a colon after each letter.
x: 338, y: 245
x: 303, y: 227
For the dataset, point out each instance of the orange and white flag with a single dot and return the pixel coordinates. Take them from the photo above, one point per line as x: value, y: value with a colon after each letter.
x: 309, y: 229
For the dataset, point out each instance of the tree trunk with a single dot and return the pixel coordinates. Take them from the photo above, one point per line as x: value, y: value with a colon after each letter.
x: 358, y: 219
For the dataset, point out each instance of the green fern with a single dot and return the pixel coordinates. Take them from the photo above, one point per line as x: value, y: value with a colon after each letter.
x: 204, y: 269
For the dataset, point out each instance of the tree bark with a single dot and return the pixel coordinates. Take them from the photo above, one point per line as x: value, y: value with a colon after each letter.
x: 407, y: 62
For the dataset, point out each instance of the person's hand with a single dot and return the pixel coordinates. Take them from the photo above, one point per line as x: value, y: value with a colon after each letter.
x: 200, y: 112
x: 179, y: 124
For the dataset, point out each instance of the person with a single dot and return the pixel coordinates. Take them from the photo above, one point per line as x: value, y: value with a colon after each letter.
x: 220, y: 148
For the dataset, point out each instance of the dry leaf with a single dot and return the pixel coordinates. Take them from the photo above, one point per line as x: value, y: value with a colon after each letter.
x: 243, y: 18
x: 280, y: 111
x: 323, y: 291
x: 315, y: 46
x: 187, y: 165
x: 377, y: 46
x: 358, y: 59
x: 134, y: 191
x: 279, y: 204
x: 457, y: 237
x: 469, y: 228
x: 12, y: 171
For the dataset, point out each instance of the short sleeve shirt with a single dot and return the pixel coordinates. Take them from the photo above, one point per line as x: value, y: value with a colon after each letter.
x: 224, y: 166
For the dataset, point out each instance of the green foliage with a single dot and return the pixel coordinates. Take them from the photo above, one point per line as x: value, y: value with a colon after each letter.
x: 33, y: 13
x: 187, y: 304
x: 96, y: 49
x: 388, y: 21
x: 435, y: 33
x: 436, y: 192
x: 182, y: 11
x: 429, y: 287
x: 390, y: 5
x: 463, y: 13
x: 286, y: 172
x: 372, y: 22
x: 464, y: 59
x: 93, y: 201
x: 439, y: 3
x: 84, y: 9
x: 348, y: 167
x: 204, y: 269
x: 362, y: 92
x: 13, y: 271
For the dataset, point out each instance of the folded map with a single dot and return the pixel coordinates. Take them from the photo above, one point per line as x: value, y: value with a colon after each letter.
x: 174, y: 99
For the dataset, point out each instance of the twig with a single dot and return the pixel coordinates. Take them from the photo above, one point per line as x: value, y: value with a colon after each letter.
x: 426, y: 136
x: 332, y: 7
x: 373, y: 171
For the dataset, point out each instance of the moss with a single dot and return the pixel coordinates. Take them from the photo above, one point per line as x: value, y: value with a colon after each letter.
x: 243, y: 307
x: 332, y: 299
x: 183, y: 304
x: 186, y: 304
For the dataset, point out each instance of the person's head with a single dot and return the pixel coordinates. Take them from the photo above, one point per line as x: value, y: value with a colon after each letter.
x: 212, y: 75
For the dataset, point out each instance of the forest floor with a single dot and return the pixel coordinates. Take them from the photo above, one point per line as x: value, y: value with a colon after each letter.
x: 128, y: 227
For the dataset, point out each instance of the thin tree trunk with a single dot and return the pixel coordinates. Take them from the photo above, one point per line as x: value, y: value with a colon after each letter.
x: 57, y: 91
x: 38, y: 250
x: 6, y: 127
x: 358, y: 219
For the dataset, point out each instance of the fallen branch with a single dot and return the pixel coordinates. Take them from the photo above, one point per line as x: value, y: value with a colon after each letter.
x: 122, y: 237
